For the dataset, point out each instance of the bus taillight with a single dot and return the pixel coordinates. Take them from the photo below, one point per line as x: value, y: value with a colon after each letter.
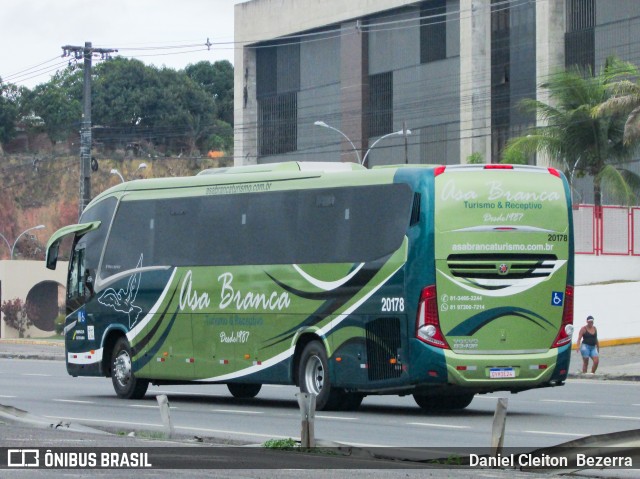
x: 428, y: 323
x: 566, y: 328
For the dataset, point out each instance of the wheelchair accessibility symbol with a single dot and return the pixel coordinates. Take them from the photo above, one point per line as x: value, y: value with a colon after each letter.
x: 557, y: 298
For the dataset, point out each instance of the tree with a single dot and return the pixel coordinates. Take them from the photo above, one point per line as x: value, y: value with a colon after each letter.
x: 575, y: 140
x: 163, y: 106
x: 217, y: 80
x: 8, y: 113
x: 624, y: 100
x: 16, y: 315
x: 59, y: 103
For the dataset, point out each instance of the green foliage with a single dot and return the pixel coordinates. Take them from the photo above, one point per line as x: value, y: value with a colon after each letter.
x: 166, y: 107
x: 573, y: 138
x: 475, y: 158
x: 221, y: 138
x: 171, y: 111
x: 514, y: 157
x: 217, y: 81
x: 280, y: 444
x: 8, y: 114
x: 16, y: 315
x: 59, y: 103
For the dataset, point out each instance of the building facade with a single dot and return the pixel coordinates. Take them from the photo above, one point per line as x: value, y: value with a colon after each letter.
x: 450, y: 71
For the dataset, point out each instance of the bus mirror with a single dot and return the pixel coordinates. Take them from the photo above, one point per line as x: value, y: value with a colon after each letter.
x: 52, y: 255
x: 53, y: 245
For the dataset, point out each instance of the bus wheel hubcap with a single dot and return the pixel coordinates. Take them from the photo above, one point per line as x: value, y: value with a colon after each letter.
x: 123, y: 368
x: 314, y: 375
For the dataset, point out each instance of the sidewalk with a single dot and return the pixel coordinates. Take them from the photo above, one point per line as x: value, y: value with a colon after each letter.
x: 616, y: 362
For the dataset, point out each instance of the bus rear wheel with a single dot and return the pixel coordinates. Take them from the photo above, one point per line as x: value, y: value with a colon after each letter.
x: 313, y: 377
x: 443, y: 403
x: 125, y: 383
x: 244, y: 391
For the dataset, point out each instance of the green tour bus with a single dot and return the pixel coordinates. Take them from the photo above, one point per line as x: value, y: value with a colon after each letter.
x: 437, y: 281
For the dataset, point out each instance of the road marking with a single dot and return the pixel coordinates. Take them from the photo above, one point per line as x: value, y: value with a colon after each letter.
x: 619, y: 417
x: 2, y: 396
x: 149, y: 407
x: 340, y: 418
x: 552, y: 433
x: 567, y: 401
x: 450, y: 426
x: 37, y: 374
x: 237, y: 411
x: 74, y: 401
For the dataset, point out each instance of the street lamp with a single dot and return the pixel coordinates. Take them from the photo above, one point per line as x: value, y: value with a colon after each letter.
x: 324, y: 125
x: 39, y: 227
x: 395, y: 133
x: 114, y: 171
x: 403, y: 132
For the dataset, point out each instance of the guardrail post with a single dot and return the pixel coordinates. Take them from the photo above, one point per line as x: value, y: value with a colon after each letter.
x: 499, y: 421
x: 163, y: 402
x: 307, y: 402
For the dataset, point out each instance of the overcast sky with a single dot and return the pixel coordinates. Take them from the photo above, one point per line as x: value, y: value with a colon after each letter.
x: 32, y: 33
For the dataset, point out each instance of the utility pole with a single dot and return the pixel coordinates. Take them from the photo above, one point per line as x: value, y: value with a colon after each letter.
x: 86, y: 53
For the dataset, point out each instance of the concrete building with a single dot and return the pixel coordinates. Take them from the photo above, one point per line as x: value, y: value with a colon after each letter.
x: 452, y: 71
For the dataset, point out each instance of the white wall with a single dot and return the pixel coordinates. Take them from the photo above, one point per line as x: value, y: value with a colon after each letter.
x: 591, y: 269
x: 17, y: 278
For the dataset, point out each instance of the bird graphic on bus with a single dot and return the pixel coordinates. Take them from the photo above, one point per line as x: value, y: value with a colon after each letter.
x: 123, y: 299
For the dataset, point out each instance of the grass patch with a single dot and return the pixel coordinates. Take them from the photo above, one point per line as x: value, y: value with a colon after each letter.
x: 280, y: 444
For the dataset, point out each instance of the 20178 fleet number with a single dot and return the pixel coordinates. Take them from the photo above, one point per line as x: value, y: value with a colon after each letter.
x: 392, y: 304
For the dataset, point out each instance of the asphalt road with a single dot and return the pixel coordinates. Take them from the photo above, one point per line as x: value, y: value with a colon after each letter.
x: 535, y: 418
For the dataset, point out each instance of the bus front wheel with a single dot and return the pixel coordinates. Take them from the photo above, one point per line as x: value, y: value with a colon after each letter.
x: 443, y: 403
x: 125, y: 383
x: 244, y: 391
x: 313, y: 377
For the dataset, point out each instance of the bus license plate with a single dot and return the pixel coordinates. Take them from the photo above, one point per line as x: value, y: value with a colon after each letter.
x: 497, y: 373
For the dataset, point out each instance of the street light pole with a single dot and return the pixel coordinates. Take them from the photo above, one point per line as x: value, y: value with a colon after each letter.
x: 404, y: 132
x: 114, y: 171
x: 324, y: 125
x: 39, y: 227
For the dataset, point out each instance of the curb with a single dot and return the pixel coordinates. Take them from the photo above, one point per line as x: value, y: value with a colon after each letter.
x: 604, y: 377
x: 38, y: 342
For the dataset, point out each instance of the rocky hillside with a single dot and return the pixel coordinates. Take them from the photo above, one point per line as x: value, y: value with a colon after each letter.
x: 44, y: 190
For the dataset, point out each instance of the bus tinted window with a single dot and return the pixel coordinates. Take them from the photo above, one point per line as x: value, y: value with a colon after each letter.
x: 93, y: 241
x: 354, y: 224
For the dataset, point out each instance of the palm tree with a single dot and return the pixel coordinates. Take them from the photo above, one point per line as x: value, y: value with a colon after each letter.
x: 625, y: 100
x: 576, y: 140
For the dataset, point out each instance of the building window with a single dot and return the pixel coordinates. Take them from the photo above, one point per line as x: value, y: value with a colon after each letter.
x: 277, y: 124
x: 500, y: 77
x: 277, y: 86
x: 380, y: 104
x: 433, y: 31
x: 579, y: 39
